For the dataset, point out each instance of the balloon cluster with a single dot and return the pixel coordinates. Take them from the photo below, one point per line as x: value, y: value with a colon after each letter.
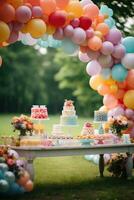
x: 79, y: 28
x: 14, y: 179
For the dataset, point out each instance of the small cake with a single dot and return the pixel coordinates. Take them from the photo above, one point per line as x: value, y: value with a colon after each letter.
x: 100, y: 116
x: 87, y: 129
x: 68, y: 116
x: 57, y: 129
x: 39, y: 112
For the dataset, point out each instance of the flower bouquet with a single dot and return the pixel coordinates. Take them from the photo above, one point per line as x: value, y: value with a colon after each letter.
x: 118, y: 124
x: 23, y: 124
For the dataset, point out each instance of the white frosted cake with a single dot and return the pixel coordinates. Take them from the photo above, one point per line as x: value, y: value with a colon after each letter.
x: 87, y: 129
x: 68, y: 116
x: 100, y: 116
x: 57, y: 129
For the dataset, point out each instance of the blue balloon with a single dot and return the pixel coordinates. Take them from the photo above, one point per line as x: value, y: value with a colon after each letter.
x: 106, y: 73
x: 110, y: 22
x: 1, y: 175
x: 106, y: 10
x: 128, y: 42
x: 119, y: 73
x: 14, y: 189
x: 69, y: 47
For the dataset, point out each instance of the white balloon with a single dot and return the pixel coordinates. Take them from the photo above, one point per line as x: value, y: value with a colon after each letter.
x: 128, y: 61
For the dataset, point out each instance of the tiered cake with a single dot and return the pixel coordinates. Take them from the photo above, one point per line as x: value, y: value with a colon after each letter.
x: 68, y: 116
x: 87, y: 129
x: 39, y: 112
x: 57, y: 129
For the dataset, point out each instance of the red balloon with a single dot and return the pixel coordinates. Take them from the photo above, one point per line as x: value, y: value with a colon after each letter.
x: 85, y: 22
x: 33, y: 2
x: 58, y: 18
x: 7, y: 13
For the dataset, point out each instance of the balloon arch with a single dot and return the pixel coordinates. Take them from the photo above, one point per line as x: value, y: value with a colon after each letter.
x: 82, y: 29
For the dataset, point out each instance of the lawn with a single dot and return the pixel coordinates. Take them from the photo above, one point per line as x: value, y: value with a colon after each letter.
x: 71, y: 178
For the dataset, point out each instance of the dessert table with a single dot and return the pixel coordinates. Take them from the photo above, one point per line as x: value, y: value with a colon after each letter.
x: 31, y: 153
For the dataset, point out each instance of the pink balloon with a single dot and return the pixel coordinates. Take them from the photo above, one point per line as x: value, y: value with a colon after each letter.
x: 119, y: 51
x: 84, y: 57
x: 93, y: 54
x: 23, y: 14
x: 90, y: 33
x: 93, y: 68
x: 68, y: 31
x: 75, y: 22
x: 110, y: 101
x: 13, y: 37
x: 58, y: 35
x: 114, y: 36
x: 79, y: 36
x: 129, y: 113
x: 86, y: 2
x: 107, y: 48
x: 105, y: 61
x: 17, y: 26
x: 37, y: 11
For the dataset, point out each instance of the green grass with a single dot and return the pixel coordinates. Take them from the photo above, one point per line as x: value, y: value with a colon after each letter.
x: 71, y: 178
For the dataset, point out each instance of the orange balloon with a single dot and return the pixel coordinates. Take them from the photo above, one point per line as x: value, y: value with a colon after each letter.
x: 50, y: 29
x: 75, y: 7
x: 16, y: 3
x: 84, y: 49
x: 23, y: 179
x: 48, y: 6
x: 113, y: 88
x: 95, y: 43
x: 95, y: 81
x: 130, y: 79
x: 29, y: 186
x: 24, y: 29
x: 120, y: 94
x: 91, y: 11
x: 100, y: 18
x: 103, y: 28
x: 110, y: 101
x: 36, y: 27
x: 103, y: 89
x: 62, y: 3
x: 122, y: 85
x: 7, y: 13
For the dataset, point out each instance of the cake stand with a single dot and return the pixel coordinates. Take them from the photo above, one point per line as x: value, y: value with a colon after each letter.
x: 39, y: 122
x: 101, y: 123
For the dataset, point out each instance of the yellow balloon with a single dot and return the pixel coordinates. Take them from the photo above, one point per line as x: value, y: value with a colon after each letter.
x: 129, y: 99
x: 50, y: 29
x: 95, y: 81
x: 36, y: 27
x: 109, y: 81
x: 75, y: 7
x: 24, y: 29
x: 4, y: 32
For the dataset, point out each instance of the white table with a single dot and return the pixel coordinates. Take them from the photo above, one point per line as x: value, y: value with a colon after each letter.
x: 32, y: 153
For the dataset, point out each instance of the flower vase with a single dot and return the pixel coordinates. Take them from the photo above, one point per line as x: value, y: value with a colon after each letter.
x: 22, y: 133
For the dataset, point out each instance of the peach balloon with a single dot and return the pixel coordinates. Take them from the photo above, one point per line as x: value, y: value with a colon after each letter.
x: 103, y: 89
x: 0, y: 61
x: 36, y: 27
x: 95, y: 81
x: 75, y: 7
x: 29, y: 186
x: 23, y: 179
x: 110, y: 101
x: 129, y: 99
x: 130, y: 79
x: 91, y: 11
x: 100, y: 18
x: 48, y: 6
x: 15, y: 3
x: 103, y: 28
x: 4, y: 32
x: 62, y: 3
x: 95, y: 43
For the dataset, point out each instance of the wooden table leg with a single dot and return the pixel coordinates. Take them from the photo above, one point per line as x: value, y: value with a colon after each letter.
x: 101, y: 165
x: 129, y: 165
x: 30, y: 168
